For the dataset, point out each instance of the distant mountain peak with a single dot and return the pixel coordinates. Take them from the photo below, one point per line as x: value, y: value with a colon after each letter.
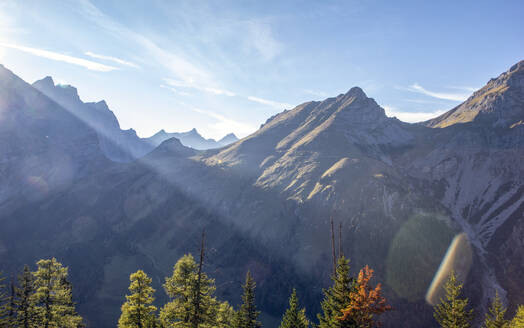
x: 356, y: 92
x: 228, y: 139
x: 47, y: 81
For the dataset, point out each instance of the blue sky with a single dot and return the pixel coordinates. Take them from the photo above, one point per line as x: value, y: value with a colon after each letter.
x: 226, y: 66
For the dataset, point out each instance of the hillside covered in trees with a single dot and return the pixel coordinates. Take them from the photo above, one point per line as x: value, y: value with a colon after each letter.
x: 43, y: 298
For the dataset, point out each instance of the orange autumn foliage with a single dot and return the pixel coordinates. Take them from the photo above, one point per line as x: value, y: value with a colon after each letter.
x: 366, y: 302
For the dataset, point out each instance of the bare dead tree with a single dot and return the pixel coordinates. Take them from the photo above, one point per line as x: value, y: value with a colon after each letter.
x: 340, y: 249
x: 195, y: 320
x: 333, y: 247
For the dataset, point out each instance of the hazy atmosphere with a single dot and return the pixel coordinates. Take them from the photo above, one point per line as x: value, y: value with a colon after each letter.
x: 249, y: 164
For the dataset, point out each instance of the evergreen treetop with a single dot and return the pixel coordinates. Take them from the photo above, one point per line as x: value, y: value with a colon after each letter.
x: 247, y: 314
x: 137, y: 311
x: 337, y: 297
x: 495, y: 315
x: 294, y: 317
x: 452, y: 312
x: 183, y: 288
x: 52, y: 298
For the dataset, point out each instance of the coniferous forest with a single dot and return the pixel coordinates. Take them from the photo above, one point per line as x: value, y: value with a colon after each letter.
x: 43, y: 298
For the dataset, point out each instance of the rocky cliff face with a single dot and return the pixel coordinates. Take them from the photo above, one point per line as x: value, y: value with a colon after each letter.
x: 401, y: 192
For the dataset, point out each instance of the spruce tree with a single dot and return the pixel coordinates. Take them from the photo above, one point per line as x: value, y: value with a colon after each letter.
x: 137, y: 311
x: 452, y: 312
x: 54, y: 306
x: 518, y: 319
x: 495, y: 316
x: 294, y: 317
x: 337, y: 298
x: 247, y: 314
x: 188, y: 296
x: 24, y: 301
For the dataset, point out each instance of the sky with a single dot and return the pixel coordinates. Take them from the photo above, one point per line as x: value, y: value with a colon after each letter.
x: 227, y: 66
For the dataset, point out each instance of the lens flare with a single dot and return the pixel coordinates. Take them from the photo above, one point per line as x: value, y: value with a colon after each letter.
x: 459, y: 258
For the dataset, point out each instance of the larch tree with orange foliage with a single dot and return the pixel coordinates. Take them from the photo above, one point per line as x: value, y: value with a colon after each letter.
x: 366, y: 302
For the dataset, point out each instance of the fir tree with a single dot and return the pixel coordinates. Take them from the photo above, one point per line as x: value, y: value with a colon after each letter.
x: 518, y: 319
x: 452, y: 312
x: 247, y: 315
x: 495, y: 316
x: 137, y: 311
x: 54, y: 306
x: 294, y: 317
x: 24, y: 302
x: 183, y: 288
x: 337, y: 298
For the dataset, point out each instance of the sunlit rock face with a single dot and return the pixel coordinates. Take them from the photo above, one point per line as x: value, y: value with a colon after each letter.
x: 401, y: 192
x: 498, y: 104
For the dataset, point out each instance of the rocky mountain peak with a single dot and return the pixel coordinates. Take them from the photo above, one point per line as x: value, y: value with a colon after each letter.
x: 45, y: 82
x: 66, y: 93
x: 229, y: 138
x: 499, y: 103
x: 356, y: 92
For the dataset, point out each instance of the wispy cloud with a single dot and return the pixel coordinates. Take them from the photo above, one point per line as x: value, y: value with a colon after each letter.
x: 178, y: 92
x: 91, y: 65
x: 193, y: 85
x: 411, y: 117
x: 178, y: 64
x: 271, y: 103
x: 439, y: 95
x: 113, y: 59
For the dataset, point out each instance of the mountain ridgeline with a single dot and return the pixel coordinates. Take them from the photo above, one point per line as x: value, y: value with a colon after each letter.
x: 76, y: 187
x: 117, y: 144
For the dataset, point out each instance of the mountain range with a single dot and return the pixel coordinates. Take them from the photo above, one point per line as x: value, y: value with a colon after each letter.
x: 76, y: 186
x: 117, y: 144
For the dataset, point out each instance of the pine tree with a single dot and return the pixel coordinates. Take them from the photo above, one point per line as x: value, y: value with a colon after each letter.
x: 365, y: 302
x: 182, y: 288
x: 137, y: 311
x: 247, y: 315
x: 452, y: 312
x: 495, y: 316
x: 54, y: 306
x: 225, y: 316
x: 337, y: 298
x: 294, y: 317
x: 24, y: 302
x: 518, y: 319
